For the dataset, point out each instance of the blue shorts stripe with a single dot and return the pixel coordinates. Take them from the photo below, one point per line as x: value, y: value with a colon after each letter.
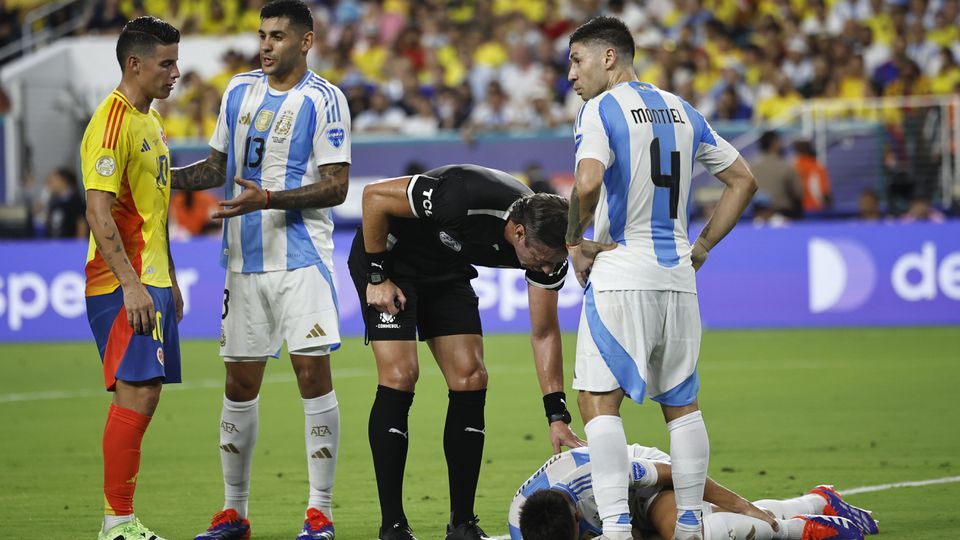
x: 614, y: 355
x: 682, y: 394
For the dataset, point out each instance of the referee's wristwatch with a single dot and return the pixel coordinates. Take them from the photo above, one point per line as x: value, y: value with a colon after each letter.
x: 377, y: 268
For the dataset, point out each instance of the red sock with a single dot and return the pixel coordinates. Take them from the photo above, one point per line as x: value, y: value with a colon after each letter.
x: 121, y: 458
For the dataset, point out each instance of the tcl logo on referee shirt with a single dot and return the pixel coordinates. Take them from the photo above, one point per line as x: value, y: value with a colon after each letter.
x: 427, y: 202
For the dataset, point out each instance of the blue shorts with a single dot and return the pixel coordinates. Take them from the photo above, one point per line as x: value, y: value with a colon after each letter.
x: 133, y: 357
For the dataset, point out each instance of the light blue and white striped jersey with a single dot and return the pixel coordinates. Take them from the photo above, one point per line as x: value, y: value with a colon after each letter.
x: 570, y: 472
x: 278, y: 140
x: 648, y: 140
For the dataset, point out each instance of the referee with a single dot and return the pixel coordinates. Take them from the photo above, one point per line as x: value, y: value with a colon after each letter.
x: 412, y: 264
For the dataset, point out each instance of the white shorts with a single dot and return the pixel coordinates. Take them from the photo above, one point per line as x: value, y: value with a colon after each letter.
x: 645, y: 342
x: 262, y: 310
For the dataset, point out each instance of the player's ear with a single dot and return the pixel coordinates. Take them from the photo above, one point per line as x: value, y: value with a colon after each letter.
x: 307, y: 42
x: 609, y: 57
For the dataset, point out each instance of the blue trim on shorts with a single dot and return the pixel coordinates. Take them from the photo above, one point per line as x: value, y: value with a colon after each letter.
x: 333, y: 292
x: 682, y: 394
x: 515, y: 533
x: 622, y: 366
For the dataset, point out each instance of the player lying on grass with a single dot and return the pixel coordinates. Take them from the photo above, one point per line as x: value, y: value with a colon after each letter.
x: 558, y: 502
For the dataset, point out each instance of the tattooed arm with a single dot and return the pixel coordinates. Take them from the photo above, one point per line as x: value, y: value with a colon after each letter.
x: 141, y: 313
x: 209, y: 173
x: 330, y: 191
x: 583, y: 203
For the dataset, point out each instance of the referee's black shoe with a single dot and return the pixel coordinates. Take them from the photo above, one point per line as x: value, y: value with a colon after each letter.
x: 467, y: 531
x: 397, y: 531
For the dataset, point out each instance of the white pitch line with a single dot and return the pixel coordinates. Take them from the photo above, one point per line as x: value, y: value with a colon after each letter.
x: 863, y: 489
x: 201, y: 384
x: 916, y: 483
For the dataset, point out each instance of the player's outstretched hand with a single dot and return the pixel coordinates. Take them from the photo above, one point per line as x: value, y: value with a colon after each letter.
x: 756, y: 512
x: 386, y: 297
x: 141, y: 313
x: 562, y: 435
x: 252, y: 198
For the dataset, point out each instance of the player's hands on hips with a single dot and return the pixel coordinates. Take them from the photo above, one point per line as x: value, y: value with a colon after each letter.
x: 252, y: 198
x: 698, y: 255
x: 583, y: 255
x: 562, y: 435
x: 386, y: 297
x: 178, y: 301
x: 141, y: 313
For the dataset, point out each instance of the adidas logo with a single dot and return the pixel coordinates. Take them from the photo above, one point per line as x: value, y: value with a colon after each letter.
x: 229, y: 448
x: 145, y: 147
x: 323, y: 453
x: 316, y: 332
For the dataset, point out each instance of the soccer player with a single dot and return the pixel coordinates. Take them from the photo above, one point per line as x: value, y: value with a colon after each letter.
x: 558, y: 503
x: 639, y: 330
x: 133, y: 302
x: 284, y: 134
x: 411, y: 263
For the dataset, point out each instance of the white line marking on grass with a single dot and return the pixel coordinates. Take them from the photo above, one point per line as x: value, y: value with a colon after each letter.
x: 916, y: 483
x: 45, y: 395
x: 864, y: 489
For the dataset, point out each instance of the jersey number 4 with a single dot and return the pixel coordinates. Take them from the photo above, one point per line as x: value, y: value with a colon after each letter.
x: 672, y: 180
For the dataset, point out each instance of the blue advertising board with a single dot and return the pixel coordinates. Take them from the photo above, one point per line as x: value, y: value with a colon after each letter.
x: 818, y: 275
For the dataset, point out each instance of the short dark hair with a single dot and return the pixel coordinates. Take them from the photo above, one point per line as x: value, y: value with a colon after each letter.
x: 544, y: 218
x: 608, y: 30
x: 141, y: 35
x: 295, y: 10
x: 546, y: 515
x: 767, y: 139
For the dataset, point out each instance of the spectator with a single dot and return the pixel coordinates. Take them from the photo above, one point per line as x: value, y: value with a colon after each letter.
x: 381, y: 117
x: 813, y: 175
x: 520, y: 77
x: 106, y: 18
x: 423, y: 123
x: 921, y: 210
x: 191, y: 211
x: 65, y: 208
x: 777, y: 178
x: 868, y: 206
x: 496, y: 113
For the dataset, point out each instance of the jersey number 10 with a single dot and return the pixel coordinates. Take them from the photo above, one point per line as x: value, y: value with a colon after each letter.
x: 671, y: 180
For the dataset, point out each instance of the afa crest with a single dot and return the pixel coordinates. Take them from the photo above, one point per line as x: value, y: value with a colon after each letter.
x: 284, y: 124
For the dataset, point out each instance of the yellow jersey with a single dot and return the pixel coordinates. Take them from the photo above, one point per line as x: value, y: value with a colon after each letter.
x: 125, y: 152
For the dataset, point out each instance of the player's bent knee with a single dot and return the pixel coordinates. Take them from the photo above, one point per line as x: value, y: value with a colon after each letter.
x: 400, y: 377
x: 467, y: 380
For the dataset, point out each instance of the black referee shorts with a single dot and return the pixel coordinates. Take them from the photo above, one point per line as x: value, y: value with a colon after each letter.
x: 433, y: 309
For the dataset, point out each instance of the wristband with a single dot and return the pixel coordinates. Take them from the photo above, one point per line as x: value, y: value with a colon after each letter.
x: 378, y: 268
x: 267, y: 205
x: 555, y: 406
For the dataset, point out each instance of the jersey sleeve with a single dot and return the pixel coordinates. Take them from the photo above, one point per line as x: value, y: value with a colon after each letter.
x: 590, y: 137
x: 331, y: 141
x: 105, y: 149
x: 436, y: 199
x: 713, y: 151
x: 553, y: 281
x: 220, y: 139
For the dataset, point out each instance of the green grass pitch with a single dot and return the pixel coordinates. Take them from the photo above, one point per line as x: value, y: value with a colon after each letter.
x: 785, y: 410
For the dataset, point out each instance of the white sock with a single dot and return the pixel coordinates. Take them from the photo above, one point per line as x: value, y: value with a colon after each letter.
x: 610, y: 464
x: 689, y: 457
x: 725, y: 525
x: 792, y: 529
x: 110, y: 522
x: 239, y: 421
x: 785, y: 509
x: 322, y: 432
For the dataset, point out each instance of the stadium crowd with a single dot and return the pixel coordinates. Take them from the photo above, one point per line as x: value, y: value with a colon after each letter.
x: 417, y: 67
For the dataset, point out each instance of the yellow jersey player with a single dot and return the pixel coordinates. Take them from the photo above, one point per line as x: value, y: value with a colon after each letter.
x: 133, y: 303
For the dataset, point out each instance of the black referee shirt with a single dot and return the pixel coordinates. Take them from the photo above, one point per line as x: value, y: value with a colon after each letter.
x: 462, y: 211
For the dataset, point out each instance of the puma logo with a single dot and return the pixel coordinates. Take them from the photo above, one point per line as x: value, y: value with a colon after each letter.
x: 398, y: 432
x: 473, y: 430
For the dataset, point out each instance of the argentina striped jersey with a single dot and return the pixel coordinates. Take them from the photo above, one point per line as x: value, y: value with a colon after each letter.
x: 647, y: 139
x: 570, y: 472
x: 278, y: 140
